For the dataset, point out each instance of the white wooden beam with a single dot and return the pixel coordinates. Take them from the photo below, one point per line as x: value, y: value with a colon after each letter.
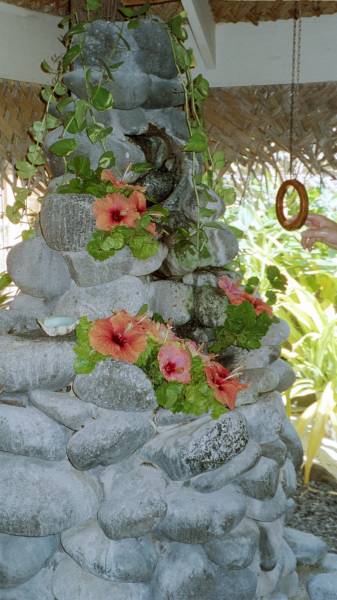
x: 247, y: 54
x: 26, y: 38
x: 202, y: 25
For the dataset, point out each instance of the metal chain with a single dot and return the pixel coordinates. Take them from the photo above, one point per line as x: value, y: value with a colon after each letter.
x: 295, y: 76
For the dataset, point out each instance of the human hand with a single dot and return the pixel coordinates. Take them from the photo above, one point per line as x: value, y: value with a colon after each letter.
x: 320, y: 229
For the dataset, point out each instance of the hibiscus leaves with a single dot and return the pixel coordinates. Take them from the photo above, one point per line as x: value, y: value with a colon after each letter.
x: 105, y: 244
x: 86, y: 356
x: 243, y: 328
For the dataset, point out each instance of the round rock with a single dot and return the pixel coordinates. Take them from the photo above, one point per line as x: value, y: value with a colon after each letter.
x: 67, y: 221
x: 39, y: 498
x: 118, y: 386
x: 22, y: 557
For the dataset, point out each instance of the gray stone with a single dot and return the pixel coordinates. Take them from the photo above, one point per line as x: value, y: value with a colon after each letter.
x: 292, y: 440
x: 267, y: 510
x: 99, y: 301
x: 201, y: 278
x: 11, y: 321
x: 271, y: 539
x: 290, y: 510
x: 268, y: 581
x: 289, y: 585
x: 260, y: 380
x: 37, y: 270
x: 64, y: 408
x: 172, y: 300
x: 289, y: 559
x: 118, y: 386
x: 86, y: 271
x: 36, y: 588
x: 261, y: 481
x: 308, y: 548
x: 128, y: 560
x: 286, y: 374
x: 323, y: 587
x: 13, y: 399
x: 194, y: 518
x: 277, y: 334
x: 230, y: 471
x: 184, y: 573
x: 265, y: 418
x: 288, y: 478
x: 222, y: 246
x: 276, y: 450
x: 188, y: 450
x: 30, y: 306
x: 109, y: 439
x: 39, y: 498
x: 278, y: 596
x: 134, y: 503
x: 29, y: 432
x: 329, y: 563
x: 22, y: 557
x: 250, y: 359
x: 237, y: 549
x: 210, y: 306
x: 164, y: 93
x: 163, y: 417
x: 72, y: 583
x: 140, y: 267
x: 43, y: 363
x: 67, y: 221
x: 154, y: 54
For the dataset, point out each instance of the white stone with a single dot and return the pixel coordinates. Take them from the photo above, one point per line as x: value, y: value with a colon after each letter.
x: 65, y: 408
x: 172, y: 300
x: 22, y: 557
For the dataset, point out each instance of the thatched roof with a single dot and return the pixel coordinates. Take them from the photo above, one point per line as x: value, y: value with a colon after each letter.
x: 241, y: 10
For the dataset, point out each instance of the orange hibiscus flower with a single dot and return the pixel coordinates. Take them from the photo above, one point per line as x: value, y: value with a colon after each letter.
x: 237, y: 296
x: 225, y: 388
x: 118, y: 336
x: 175, y: 363
x: 114, y: 210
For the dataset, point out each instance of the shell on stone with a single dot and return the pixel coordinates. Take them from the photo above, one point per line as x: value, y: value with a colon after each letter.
x: 53, y: 326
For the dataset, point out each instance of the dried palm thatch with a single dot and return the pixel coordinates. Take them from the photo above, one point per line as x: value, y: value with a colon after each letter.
x: 241, y: 10
x: 252, y: 125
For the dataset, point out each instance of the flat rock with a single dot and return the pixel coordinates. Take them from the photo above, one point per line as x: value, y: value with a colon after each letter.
x: 329, y: 563
x: 39, y: 498
x: 39, y: 586
x: 14, y: 399
x: 29, y: 432
x: 37, y: 270
x: 134, y: 499
x: 44, y: 363
x: 275, y: 449
x: 129, y: 560
x: 308, y: 548
x: 194, y: 518
x: 210, y: 306
x: 250, y: 359
x: 288, y: 478
x: 323, y: 587
x: 196, y: 578
x: 99, y: 301
x: 237, y: 549
x: 222, y: 246
x: 188, y: 450
x: 118, y: 386
x: 172, y: 300
x: 267, y: 510
x: 109, y: 439
x: 290, y: 437
x: 67, y: 221
x: 261, y: 481
x: 277, y: 334
x: 230, y: 471
x: 30, y: 306
x: 260, y: 380
x: 265, y: 418
x: 72, y: 583
x: 64, y: 408
x: 22, y: 557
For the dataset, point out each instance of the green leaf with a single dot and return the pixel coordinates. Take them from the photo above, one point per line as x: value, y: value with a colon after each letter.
x: 28, y: 234
x: 38, y: 130
x: 21, y: 195
x: 35, y: 155
x: 13, y: 214
x: 184, y: 57
x: 81, y: 109
x: 141, y: 167
x: 5, y: 280
x: 47, y: 94
x: 60, y: 89
x: 98, y: 132
x: 63, y: 147
x: 142, y: 311
x: 80, y: 165
x: 134, y: 24
x: 219, y: 160
x: 143, y: 245
x: 25, y: 169
x: 176, y: 25
x: 198, y: 142
x: 107, y: 160
x: 127, y: 11
x: 92, y: 5
x: 200, y: 88
x: 52, y: 122
x: 115, y: 241
x: 100, y: 98
x: 63, y: 104
x: 206, y: 212
x: 75, y: 30
x: 46, y: 67
x: 71, y: 55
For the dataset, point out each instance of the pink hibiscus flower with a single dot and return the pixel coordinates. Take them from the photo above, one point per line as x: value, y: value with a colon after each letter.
x: 118, y: 336
x: 175, y: 363
x: 237, y: 296
x: 114, y: 210
x: 225, y: 388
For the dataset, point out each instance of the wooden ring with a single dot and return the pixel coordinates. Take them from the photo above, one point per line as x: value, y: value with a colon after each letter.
x: 298, y: 221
